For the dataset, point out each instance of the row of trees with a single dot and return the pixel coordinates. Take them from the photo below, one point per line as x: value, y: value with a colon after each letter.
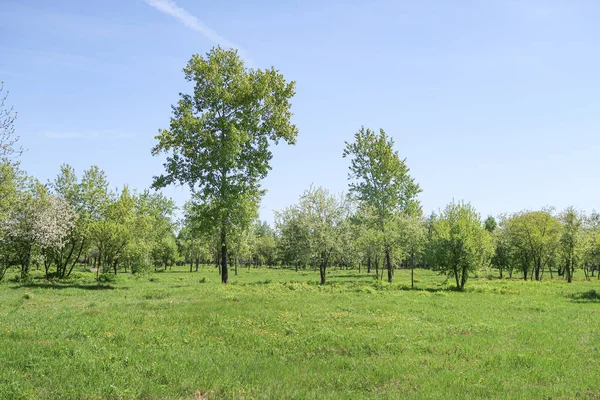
x: 73, y: 220
x: 218, y: 143
x: 80, y: 220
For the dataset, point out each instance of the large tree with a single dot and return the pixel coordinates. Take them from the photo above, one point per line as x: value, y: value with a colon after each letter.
x: 380, y: 179
x: 219, y: 138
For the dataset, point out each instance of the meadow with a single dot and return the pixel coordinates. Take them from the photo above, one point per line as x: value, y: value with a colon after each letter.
x: 276, y: 333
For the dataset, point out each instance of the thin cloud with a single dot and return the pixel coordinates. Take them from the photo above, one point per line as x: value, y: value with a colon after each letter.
x: 171, y: 8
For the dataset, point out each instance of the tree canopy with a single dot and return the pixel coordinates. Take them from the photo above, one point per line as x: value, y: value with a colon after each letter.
x: 219, y: 139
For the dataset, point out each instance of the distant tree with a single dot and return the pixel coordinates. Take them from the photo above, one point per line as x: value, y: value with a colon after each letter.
x: 194, y: 242
x: 591, y: 245
x: 310, y: 231
x: 164, y: 251
x: 219, y: 138
x: 490, y: 224
x: 54, y: 222
x: 263, y: 246
x: 11, y: 182
x: 534, y: 237
x: 379, y: 178
x: 323, y: 215
x: 501, y: 258
x: 8, y: 139
x: 571, y: 240
x: 293, y: 244
x: 413, y: 240
x: 459, y: 242
x: 24, y: 230
x: 112, y: 233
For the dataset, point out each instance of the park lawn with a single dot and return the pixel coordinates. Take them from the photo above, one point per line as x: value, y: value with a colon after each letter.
x: 275, y: 333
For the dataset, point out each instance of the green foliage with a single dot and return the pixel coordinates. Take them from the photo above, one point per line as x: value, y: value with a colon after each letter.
x: 311, y: 230
x: 572, y: 240
x: 380, y: 180
x: 219, y: 138
x: 534, y: 238
x: 460, y: 243
x: 378, y: 177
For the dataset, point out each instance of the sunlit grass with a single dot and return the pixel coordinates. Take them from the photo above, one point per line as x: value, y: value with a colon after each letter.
x: 276, y: 333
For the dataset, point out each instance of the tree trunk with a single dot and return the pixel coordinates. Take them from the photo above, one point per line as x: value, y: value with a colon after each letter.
x: 456, y: 278
x: 568, y: 271
x: 224, y: 270
x: 369, y: 263
x: 463, y: 278
x: 323, y: 273
x: 412, y: 271
x: 388, y: 260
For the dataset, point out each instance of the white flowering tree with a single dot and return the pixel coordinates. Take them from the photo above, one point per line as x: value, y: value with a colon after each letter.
x: 53, y: 221
x: 38, y: 224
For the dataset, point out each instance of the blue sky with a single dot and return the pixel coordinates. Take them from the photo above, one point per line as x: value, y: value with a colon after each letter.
x: 494, y: 102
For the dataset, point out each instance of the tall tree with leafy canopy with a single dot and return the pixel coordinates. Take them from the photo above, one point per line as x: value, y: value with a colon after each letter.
x: 381, y: 179
x: 219, y: 138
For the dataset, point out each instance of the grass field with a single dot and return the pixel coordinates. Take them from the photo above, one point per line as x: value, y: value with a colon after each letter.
x: 275, y: 334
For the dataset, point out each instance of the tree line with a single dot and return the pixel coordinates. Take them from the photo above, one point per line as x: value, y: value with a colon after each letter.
x: 219, y: 144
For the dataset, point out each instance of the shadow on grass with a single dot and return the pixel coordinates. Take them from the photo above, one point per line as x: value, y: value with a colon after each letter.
x: 354, y: 276
x: 429, y: 289
x: 48, y: 285
x: 591, y: 296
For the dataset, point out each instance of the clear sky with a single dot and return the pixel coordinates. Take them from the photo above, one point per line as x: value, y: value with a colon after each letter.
x: 495, y: 102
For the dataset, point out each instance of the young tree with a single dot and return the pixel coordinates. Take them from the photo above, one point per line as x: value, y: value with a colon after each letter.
x: 11, y: 180
x: 322, y: 215
x: 413, y: 240
x: 571, y: 240
x: 54, y: 222
x: 219, y: 138
x: 591, y: 246
x: 459, y: 242
x: 490, y: 224
x: 263, y: 246
x: 293, y: 242
x: 535, y: 236
x: 380, y: 179
x: 501, y: 258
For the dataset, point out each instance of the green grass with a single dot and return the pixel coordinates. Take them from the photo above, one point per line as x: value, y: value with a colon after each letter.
x: 277, y: 334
